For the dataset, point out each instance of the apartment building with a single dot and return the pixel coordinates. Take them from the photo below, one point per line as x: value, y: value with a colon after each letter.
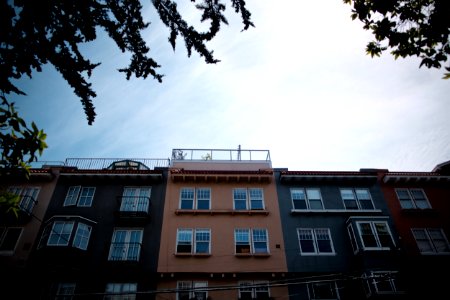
x: 340, y: 240
x: 19, y: 233
x: 221, y: 235
x: 420, y: 206
x: 99, y: 238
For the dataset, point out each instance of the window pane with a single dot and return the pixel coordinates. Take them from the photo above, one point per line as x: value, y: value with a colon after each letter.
x: 86, y: 196
x: 420, y: 199
x: 298, y: 198
x: 187, y: 198
x: 323, y: 241
x: 72, y: 195
x: 202, y: 238
x: 314, y: 199
x: 203, y: 198
x: 367, y: 235
x: 184, y: 241
x: 82, y: 235
x: 364, y: 199
x: 260, y: 240
x: 423, y: 242
x: 439, y: 241
x: 256, y: 198
x: 349, y: 199
x: 60, y: 234
x: 306, y: 240
x: 404, y: 198
x: 383, y: 235
x: 240, y: 199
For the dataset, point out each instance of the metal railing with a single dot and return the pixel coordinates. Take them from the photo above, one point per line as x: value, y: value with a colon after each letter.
x: 221, y: 155
x: 116, y: 163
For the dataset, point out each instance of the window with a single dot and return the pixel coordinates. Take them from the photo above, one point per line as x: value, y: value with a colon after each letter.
x: 198, y: 198
x: 28, y: 197
x: 126, y: 245
x: 59, y: 234
x: 65, y: 291
x: 375, y: 235
x: 323, y: 290
x: 80, y: 196
x: 253, y: 290
x: 382, y: 282
x: 192, y: 290
x: 135, y: 199
x: 82, y: 235
x: 120, y: 291
x: 357, y: 199
x: 244, y: 199
x: 308, y: 198
x: 200, y: 238
x: 315, y: 241
x: 251, y: 241
x: 431, y: 240
x: 412, y: 199
x: 9, y: 236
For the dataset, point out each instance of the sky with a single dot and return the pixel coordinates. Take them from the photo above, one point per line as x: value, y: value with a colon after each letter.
x: 298, y: 84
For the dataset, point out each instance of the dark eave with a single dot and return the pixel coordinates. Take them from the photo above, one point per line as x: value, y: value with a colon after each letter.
x: 413, y: 177
x: 182, y: 175
x: 296, y: 176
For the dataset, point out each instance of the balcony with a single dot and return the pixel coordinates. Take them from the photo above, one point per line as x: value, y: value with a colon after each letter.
x: 134, y: 207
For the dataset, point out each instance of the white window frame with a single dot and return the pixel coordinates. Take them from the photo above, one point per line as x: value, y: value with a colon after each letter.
x: 82, y: 235
x: 28, y: 197
x: 197, y: 195
x: 62, y: 235
x: 250, y: 197
x: 374, y: 232
x: 122, y: 291
x: 315, y: 233
x: 413, y: 202
x: 192, y: 288
x: 7, y: 233
x: 434, y: 243
x: 131, y: 248
x: 357, y: 199
x: 307, y: 199
x: 132, y: 199
x: 252, y: 238
x: 329, y: 285
x: 254, y: 287
x: 194, y: 240
x: 81, y: 196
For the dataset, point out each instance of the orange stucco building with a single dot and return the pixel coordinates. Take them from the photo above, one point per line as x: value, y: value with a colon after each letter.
x: 221, y: 234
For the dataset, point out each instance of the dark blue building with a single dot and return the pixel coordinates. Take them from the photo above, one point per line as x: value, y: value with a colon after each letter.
x: 339, y: 238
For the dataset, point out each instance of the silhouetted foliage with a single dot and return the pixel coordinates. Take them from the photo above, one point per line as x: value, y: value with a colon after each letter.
x: 35, y: 33
x: 408, y: 28
x: 19, y: 144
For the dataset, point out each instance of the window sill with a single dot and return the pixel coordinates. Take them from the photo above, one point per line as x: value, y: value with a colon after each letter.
x: 335, y: 211
x: 220, y: 211
x: 252, y: 254
x: 192, y: 254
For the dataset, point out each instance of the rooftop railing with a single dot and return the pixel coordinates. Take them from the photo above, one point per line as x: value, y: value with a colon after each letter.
x: 106, y: 163
x: 116, y: 163
x: 221, y: 155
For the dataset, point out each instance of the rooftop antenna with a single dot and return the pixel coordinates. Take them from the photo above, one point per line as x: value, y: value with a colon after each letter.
x: 239, y: 152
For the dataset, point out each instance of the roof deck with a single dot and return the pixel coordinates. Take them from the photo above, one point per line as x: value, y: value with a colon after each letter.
x: 221, y: 159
